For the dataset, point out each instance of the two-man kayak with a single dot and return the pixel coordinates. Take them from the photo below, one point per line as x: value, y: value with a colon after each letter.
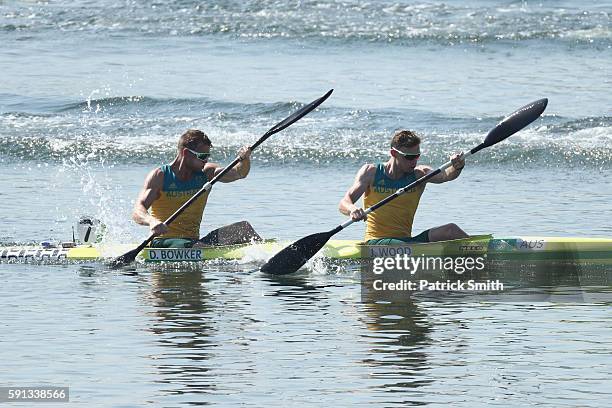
x: 517, y: 249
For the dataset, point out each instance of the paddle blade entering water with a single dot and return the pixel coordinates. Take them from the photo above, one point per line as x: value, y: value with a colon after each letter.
x: 125, y: 259
x: 293, y: 257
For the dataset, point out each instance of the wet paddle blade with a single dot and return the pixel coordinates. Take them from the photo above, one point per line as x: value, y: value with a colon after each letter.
x: 125, y: 259
x: 131, y: 256
x: 293, y: 257
x: 305, y: 110
x: 297, y: 254
x: 516, y: 121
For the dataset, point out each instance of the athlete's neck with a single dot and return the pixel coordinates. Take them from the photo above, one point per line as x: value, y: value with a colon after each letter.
x: 393, y: 170
x: 181, y: 170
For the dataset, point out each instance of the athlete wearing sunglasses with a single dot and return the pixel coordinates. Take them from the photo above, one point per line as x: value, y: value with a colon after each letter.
x: 168, y: 187
x: 407, y: 156
x: 200, y: 156
x: 392, y: 223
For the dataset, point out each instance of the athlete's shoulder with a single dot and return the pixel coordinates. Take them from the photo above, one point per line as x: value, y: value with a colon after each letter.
x: 366, y: 174
x: 209, y: 169
x: 155, y: 178
x: 211, y: 166
x: 422, y: 170
x: 368, y: 168
x: 157, y: 172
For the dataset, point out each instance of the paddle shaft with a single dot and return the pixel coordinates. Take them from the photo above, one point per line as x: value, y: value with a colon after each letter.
x: 204, y: 189
x: 282, y: 125
x: 129, y: 256
x: 511, y: 124
x: 294, y: 256
x: 407, y: 188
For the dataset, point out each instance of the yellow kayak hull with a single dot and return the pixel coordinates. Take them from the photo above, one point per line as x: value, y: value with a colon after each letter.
x: 525, y: 248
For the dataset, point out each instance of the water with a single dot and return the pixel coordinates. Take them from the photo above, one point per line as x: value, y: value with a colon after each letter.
x: 94, y: 95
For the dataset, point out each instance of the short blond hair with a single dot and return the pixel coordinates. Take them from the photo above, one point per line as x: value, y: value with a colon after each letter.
x: 192, y: 138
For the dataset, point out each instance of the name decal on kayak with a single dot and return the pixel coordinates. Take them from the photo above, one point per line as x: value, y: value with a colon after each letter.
x: 175, y: 254
x: 385, y: 251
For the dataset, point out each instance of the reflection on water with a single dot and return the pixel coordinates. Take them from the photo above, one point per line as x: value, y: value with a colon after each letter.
x: 183, y: 328
x: 398, y: 337
x: 221, y: 334
x: 296, y: 289
x: 498, y: 280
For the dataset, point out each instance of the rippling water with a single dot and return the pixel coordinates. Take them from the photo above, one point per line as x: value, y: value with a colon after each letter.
x: 399, y: 21
x: 220, y: 335
x: 94, y: 94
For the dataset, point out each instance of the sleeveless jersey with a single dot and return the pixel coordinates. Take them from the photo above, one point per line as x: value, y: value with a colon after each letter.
x: 394, y: 219
x: 174, y: 194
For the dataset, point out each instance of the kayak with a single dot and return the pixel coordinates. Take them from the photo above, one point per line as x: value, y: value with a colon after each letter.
x: 518, y: 249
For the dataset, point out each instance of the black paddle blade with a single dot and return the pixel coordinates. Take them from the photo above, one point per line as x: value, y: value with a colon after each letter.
x: 293, y: 257
x: 295, y: 116
x: 514, y: 122
x: 125, y: 259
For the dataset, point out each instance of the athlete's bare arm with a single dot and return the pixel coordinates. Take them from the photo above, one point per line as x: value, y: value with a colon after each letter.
x: 449, y: 174
x: 363, y: 181
x: 240, y: 171
x: 150, y: 192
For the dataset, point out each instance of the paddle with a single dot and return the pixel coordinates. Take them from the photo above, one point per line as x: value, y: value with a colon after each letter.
x: 130, y: 256
x: 293, y: 257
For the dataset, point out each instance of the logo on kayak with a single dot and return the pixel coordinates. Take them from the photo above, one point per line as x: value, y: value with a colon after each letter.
x: 472, y: 248
x: 530, y: 245
x: 34, y: 253
x: 175, y: 254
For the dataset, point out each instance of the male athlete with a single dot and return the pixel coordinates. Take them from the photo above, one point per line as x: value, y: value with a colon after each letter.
x: 168, y: 187
x: 391, y: 224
